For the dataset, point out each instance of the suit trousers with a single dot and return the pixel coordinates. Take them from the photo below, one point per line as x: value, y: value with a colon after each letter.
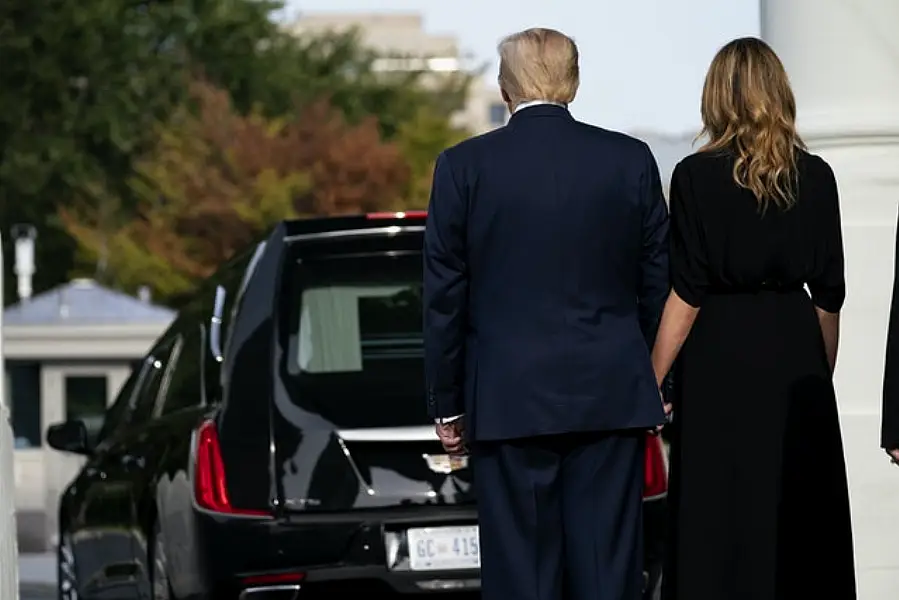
x: 561, y: 516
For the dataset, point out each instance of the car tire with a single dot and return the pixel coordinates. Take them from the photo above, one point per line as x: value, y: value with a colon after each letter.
x: 161, y: 588
x: 66, y: 580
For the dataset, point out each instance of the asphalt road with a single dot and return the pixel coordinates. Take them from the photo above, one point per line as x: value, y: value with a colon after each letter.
x: 32, y: 591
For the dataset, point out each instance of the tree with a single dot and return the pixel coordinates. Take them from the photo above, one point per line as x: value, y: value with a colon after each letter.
x: 422, y: 139
x: 217, y: 180
x: 352, y: 169
x: 84, y: 87
x: 303, y: 69
x: 81, y: 85
x: 83, y: 81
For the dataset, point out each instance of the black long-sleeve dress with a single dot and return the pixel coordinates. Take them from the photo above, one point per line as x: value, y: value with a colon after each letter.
x: 760, y: 506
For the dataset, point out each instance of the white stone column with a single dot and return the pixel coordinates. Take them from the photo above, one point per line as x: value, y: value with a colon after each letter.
x: 843, y: 60
x: 9, y: 550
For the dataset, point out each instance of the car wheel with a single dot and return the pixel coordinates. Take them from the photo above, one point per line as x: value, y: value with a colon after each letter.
x: 67, y: 588
x: 162, y: 589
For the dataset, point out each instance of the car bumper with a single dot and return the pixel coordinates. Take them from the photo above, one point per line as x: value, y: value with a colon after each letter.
x: 332, y: 552
x: 353, y: 551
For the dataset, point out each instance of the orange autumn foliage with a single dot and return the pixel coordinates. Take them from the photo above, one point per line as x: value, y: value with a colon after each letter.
x: 217, y: 180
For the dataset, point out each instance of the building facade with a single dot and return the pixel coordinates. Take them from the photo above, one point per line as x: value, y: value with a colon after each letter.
x: 403, y: 44
x: 67, y: 352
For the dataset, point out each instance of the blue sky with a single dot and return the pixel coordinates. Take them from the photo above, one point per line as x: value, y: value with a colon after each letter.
x: 642, y: 61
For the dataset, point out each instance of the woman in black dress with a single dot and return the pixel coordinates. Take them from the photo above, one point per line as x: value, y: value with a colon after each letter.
x: 760, y: 506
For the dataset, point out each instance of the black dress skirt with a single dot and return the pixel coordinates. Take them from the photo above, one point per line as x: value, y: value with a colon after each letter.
x: 759, y: 499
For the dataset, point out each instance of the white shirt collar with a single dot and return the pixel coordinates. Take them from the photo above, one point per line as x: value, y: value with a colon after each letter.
x: 531, y: 103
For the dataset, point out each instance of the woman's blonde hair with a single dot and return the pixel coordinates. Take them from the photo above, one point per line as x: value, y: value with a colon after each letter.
x: 748, y: 108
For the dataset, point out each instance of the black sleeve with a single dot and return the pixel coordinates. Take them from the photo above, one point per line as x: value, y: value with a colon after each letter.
x: 653, y: 281
x: 828, y: 288
x: 689, y: 266
x: 445, y: 293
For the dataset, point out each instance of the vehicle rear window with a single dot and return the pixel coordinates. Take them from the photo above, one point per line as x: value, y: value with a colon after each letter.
x: 356, y: 348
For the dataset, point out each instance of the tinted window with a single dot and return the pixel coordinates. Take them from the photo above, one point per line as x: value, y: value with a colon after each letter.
x: 236, y: 293
x: 356, y: 348
x: 116, y: 415
x: 145, y: 399
x: 86, y: 399
x: 182, y: 385
x: 230, y: 278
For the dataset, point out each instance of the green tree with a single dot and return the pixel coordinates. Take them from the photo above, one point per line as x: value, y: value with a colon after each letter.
x: 299, y: 70
x: 210, y: 186
x: 81, y: 86
x: 217, y: 180
x: 422, y: 138
x: 413, y: 108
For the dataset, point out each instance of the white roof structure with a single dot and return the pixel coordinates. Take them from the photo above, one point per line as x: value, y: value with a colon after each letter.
x: 82, y: 319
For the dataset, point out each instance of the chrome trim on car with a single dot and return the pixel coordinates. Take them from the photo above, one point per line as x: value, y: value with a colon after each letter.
x: 350, y: 233
x: 368, y: 489
x: 289, y: 591
x: 416, y: 433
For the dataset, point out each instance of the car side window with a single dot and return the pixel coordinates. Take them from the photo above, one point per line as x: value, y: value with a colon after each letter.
x: 236, y: 294
x: 233, y: 280
x: 147, y: 394
x: 182, y: 385
x: 117, y: 414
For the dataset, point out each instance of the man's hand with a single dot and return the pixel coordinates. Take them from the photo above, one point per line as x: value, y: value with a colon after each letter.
x: 667, y: 407
x: 451, y: 436
x: 894, y: 455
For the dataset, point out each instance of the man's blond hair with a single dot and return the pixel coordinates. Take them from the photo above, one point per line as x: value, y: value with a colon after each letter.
x: 538, y: 64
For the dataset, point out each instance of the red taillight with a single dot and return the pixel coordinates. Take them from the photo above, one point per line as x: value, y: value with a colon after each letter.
x: 409, y: 214
x: 655, y: 476
x: 210, y: 486
x: 273, y: 579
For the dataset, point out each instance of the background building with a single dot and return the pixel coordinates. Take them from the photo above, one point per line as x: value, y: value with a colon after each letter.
x: 404, y: 45
x: 67, y: 353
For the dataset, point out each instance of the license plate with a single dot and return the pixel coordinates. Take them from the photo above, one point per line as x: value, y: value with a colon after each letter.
x: 444, y: 548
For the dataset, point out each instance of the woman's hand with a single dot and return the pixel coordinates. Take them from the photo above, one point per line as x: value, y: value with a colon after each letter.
x: 830, y: 331
x: 677, y: 321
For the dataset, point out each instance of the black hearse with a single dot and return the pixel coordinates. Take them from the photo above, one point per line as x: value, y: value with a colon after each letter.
x: 274, y: 442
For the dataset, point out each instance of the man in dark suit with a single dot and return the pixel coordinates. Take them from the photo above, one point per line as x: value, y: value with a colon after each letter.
x: 546, y: 269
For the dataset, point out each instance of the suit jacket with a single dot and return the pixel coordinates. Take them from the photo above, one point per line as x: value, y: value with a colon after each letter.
x: 545, y: 273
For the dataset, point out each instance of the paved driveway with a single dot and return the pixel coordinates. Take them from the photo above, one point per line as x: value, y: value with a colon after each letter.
x: 37, y: 576
x: 37, y: 591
